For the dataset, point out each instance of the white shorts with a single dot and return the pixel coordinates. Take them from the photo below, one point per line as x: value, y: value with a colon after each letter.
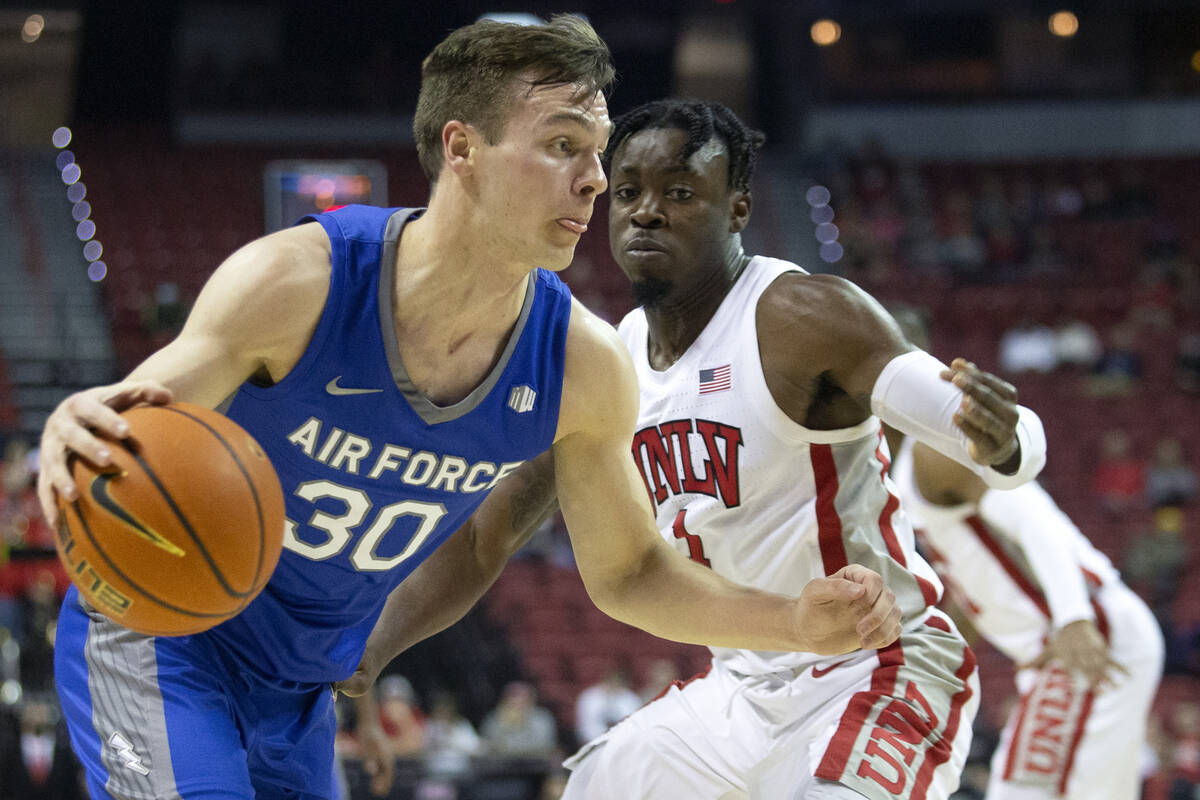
x: 882, y: 724
x: 1075, y: 743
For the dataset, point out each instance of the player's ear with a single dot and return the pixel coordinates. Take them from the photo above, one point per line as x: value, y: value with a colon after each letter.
x: 458, y: 146
x: 739, y: 211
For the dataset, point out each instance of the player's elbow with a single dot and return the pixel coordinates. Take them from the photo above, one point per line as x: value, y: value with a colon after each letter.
x: 616, y: 585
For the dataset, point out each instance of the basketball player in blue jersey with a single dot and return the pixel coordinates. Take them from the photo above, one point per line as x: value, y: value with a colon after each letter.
x: 396, y: 365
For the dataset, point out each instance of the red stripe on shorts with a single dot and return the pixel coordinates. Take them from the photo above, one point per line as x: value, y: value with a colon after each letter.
x: 1023, y: 583
x: 829, y: 524
x: 854, y: 718
x: 1013, y: 744
x: 1084, y: 713
x: 939, y: 752
x: 679, y: 684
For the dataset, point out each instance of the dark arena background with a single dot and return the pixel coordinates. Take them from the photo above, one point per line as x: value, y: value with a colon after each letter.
x: 1025, y: 174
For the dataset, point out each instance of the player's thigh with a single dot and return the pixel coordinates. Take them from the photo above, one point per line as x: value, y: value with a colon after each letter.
x: 290, y: 751
x: 147, y: 719
x: 684, y: 744
x: 905, y: 730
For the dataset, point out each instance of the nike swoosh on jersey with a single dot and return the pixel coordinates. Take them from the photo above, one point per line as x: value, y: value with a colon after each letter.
x: 333, y: 388
x: 100, y: 494
x: 818, y: 672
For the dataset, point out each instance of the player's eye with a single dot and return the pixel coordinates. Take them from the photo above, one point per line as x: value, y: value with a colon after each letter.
x: 680, y: 193
x: 625, y: 193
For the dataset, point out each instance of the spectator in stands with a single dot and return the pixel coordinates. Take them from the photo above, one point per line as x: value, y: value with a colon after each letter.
x: 518, y: 726
x: 1120, y: 477
x: 1077, y: 344
x: 39, y: 611
x: 604, y: 704
x: 1155, y: 561
x: 1187, y: 362
x: 1170, y: 480
x: 554, y: 785
x: 1045, y: 256
x: 450, y: 739
x: 1119, y: 369
x: 1030, y: 346
x: 661, y: 673
x: 1185, y: 755
x: 36, y: 762
x: 400, y: 716
x: 961, y: 248
x: 164, y: 315
x: 18, y: 467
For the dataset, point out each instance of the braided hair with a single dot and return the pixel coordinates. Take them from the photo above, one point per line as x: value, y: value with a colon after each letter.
x: 702, y: 121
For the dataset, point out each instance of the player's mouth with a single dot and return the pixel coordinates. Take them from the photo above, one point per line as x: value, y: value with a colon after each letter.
x: 644, y: 244
x: 573, y: 225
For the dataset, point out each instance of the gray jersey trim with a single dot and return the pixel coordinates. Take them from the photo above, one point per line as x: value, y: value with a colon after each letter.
x: 426, y: 409
x: 126, y: 701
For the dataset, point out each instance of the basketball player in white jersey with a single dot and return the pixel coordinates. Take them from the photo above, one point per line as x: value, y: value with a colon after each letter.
x: 760, y: 448
x: 1089, y: 650
x: 759, y: 440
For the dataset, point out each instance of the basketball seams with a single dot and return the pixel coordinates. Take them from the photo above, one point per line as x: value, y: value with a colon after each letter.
x: 187, y: 526
x: 87, y: 529
x: 253, y: 493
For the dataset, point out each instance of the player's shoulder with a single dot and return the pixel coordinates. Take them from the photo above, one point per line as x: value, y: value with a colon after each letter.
x: 819, y: 306
x: 813, y: 294
x: 591, y: 341
x: 285, y: 265
x: 598, y: 379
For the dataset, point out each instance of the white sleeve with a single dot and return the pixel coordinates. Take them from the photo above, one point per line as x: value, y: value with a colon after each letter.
x: 911, y: 396
x: 1028, y: 516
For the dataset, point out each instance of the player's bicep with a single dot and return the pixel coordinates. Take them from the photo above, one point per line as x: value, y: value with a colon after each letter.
x: 256, y: 311
x: 853, y: 335
x: 603, y: 500
x: 605, y: 507
x: 940, y: 477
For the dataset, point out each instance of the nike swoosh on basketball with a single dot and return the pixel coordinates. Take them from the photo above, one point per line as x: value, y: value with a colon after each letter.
x: 333, y: 388
x: 818, y: 672
x: 100, y: 493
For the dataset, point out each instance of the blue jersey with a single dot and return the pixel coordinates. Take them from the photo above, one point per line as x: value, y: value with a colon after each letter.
x: 374, y: 475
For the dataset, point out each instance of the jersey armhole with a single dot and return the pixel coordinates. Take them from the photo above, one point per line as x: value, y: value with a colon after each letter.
x: 331, y: 311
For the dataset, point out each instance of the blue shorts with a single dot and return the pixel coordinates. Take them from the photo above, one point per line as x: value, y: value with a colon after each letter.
x: 179, y: 717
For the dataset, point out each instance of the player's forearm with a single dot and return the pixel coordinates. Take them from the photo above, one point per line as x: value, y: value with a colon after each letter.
x: 438, y: 594
x: 1031, y: 518
x: 444, y: 588
x: 677, y: 599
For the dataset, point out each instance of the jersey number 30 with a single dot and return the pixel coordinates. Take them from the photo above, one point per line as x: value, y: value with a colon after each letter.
x: 338, y: 529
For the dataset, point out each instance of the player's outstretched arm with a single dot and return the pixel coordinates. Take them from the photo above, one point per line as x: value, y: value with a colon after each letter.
x: 633, y: 575
x: 964, y: 412
x: 255, y: 315
x: 1028, y: 517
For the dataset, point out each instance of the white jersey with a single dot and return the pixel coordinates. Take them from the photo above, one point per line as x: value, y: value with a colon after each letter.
x: 993, y: 577
x: 740, y: 487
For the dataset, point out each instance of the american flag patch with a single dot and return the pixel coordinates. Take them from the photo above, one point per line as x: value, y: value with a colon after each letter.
x: 714, y: 380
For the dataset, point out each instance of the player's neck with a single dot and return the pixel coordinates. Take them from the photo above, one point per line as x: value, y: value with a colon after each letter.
x: 677, y: 320
x: 446, y: 267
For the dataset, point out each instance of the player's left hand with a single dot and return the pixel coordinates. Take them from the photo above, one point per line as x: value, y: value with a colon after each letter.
x: 378, y: 757
x: 1080, y: 648
x: 988, y: 414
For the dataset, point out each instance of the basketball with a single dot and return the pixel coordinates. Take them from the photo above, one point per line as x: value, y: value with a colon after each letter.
x: 182, y: 530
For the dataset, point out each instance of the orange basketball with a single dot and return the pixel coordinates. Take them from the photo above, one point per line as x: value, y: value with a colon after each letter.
x: 182, y: 531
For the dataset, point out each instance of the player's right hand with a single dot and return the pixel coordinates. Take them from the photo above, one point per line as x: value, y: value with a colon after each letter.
x: 849, y: 610
x: 72, y: 427
x: 1080, y: 648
